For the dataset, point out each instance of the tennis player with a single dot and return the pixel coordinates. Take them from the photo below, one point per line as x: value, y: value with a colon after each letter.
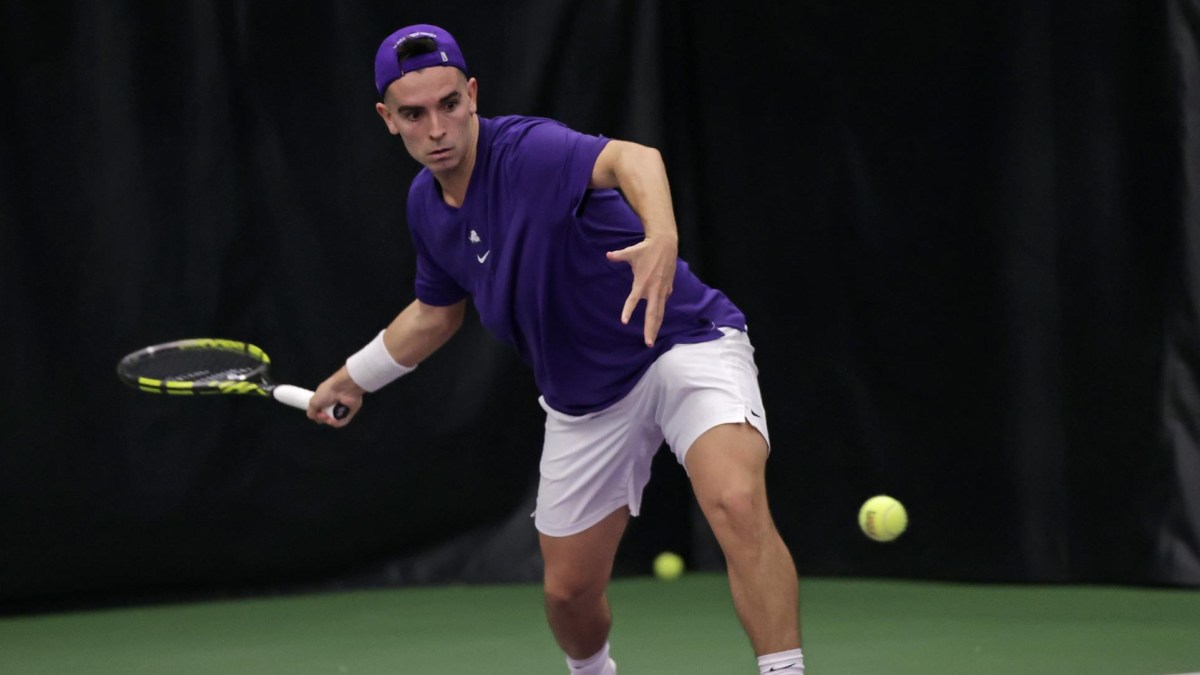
x: 628, y: 347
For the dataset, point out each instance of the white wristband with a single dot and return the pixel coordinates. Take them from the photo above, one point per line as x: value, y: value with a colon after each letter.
x: 372, y: 366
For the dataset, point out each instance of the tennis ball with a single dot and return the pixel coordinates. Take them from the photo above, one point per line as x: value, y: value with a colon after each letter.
x: 668, y: 566
x: 882, y: 518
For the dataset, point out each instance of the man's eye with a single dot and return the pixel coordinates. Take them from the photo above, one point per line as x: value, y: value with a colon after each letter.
x: 451, y: 105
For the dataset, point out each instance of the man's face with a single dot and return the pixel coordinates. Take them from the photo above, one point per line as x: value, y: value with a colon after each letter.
x: 433, y: 110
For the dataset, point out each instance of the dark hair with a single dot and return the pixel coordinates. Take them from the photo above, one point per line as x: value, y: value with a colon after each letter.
x: 414, y: 46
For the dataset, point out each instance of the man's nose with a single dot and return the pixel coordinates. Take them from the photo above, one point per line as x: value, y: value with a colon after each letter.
x: 436, y: 128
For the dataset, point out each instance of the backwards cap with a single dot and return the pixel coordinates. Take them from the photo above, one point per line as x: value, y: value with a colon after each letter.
x: 389, y: 68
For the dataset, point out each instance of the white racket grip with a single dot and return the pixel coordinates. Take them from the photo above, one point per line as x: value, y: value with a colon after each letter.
x: 298, y: 397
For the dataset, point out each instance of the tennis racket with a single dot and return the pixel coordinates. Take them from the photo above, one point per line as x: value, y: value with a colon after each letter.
x: 210, y: 366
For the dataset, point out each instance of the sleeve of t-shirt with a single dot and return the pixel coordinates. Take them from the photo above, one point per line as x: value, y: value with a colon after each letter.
x: 555, y: 162
x: 432, y: 286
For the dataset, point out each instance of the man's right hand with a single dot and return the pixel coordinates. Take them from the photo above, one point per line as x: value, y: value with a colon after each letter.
x: 339, y: 388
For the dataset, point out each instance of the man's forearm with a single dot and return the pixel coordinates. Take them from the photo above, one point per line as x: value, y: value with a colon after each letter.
x: 641, y: 175
x: 422, y: 329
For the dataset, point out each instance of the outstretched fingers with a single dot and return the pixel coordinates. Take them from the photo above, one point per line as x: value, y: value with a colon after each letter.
x: 653, y: 268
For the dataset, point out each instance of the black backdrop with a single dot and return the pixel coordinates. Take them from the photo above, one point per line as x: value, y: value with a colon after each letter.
x: 966, y: 238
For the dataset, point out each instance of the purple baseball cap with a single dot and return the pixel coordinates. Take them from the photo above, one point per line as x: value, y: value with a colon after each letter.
x: 388, y: 67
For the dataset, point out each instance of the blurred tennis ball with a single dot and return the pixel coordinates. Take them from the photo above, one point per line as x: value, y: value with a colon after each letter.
x: 668, y: 566
x: 882, y: 518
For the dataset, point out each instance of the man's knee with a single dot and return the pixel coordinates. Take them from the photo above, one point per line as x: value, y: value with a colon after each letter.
x: 568, y: 589
x: 566, y: 582
x: 738, y: 507
x: 578, y: 567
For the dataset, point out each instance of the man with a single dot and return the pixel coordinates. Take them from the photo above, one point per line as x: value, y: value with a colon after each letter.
x: 628, y: 347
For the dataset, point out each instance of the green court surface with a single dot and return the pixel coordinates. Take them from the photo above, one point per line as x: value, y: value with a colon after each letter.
x: 852, y: 627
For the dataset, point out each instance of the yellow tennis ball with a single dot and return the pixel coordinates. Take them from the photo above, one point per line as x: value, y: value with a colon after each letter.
x: 668, y: 566
x: 882, y: 518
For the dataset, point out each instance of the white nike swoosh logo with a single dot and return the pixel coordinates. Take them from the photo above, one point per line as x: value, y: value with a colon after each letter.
x: 483, y: 257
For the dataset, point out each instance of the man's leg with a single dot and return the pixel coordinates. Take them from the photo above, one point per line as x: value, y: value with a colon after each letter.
x: 578, y: 568
x: 727, y: 467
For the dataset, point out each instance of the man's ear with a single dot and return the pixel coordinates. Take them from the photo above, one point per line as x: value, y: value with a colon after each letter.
x: 473, y: 94
x: 387, y: 118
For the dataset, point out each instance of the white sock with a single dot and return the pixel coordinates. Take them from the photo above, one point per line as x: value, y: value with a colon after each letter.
x: 596, y: 664
x: 782, y: 663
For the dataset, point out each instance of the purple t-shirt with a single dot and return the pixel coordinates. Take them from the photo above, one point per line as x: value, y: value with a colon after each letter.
x: 528, y: 245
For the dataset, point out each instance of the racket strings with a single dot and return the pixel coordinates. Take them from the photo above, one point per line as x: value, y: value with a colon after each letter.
x: 203, y: 375
x: 197, y: 365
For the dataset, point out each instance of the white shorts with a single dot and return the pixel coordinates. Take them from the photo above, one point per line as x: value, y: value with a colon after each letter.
x: 596, y: 463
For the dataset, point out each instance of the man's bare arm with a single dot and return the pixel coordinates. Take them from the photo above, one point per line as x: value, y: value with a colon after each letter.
x: 413, y: 335
x: 640, y: 174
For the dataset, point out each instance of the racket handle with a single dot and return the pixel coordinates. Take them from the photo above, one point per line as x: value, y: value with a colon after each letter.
x: 298, y: 397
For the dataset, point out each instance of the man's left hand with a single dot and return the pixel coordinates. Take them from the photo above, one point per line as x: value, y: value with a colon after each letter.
x: 653, y: 262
